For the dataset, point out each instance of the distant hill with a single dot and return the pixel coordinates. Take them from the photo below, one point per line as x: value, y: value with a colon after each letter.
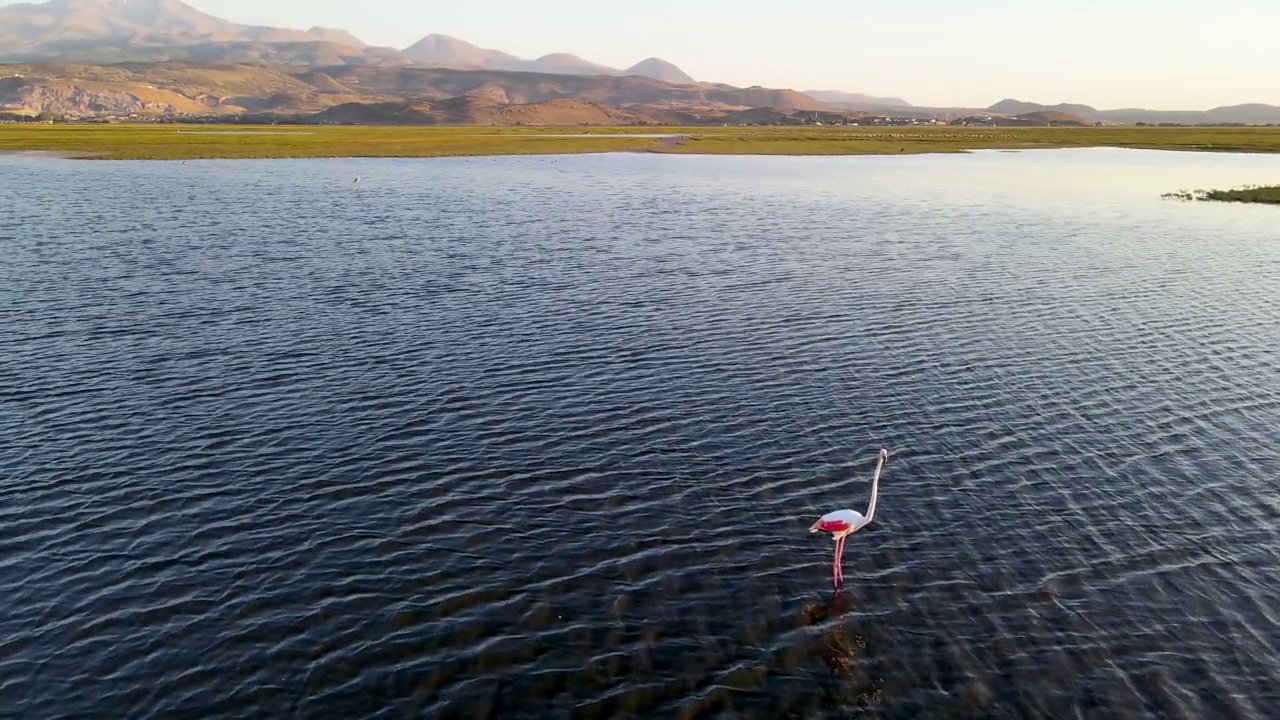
x: 1052, y: 117
x: 477, y: 111
x: 566, y: 64
x: 470, y: 110
x: 1023, y: 112
x: 1249, y: 114
x: 334, y: 35
x: 856, y: 101
x: 525, y: 87
x: 1017, y: 107
x: 660, y: 69
x: 450, y: 52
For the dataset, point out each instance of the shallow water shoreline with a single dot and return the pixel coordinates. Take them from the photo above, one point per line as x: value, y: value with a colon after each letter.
x: 169, y: 142
x: 55, y: 154
x: 1250, y: 194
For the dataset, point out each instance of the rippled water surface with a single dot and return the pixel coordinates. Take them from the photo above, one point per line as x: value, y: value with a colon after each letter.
x: 543, y: 437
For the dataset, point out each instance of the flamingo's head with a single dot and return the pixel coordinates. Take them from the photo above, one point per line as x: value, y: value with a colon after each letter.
x: 884, y: 454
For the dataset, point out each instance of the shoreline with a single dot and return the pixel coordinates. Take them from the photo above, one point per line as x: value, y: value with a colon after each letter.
x: 54, y: 154
x: 1247, y: 195
x: 103, y: 155
x: 230, y: 142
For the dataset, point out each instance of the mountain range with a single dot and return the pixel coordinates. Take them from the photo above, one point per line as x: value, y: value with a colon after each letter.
x: 71, y: 53
x: 108, y: 31
x: 450, y: 52
x: 856, y: 101
x: 376, y: 94
x: 1247, y: 114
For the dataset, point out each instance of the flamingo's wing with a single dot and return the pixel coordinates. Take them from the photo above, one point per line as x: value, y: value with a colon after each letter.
x: 838, y: 521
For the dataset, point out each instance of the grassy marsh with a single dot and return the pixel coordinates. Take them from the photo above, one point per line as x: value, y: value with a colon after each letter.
x: 895, y: 140
x: 1260, y: 194
x: 190, y: 142
x: 184, y: 142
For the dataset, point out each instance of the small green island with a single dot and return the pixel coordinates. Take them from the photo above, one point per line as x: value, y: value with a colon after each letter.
x: 1258, y: 194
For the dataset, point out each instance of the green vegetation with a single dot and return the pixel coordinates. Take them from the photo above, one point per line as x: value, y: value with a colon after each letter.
x: 893, y: 140
x: 189, y: 142
x: 181, y: 142
x: 1267, y: 195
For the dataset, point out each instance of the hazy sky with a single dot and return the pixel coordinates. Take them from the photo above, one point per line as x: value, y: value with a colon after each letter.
x: 1161, y: 54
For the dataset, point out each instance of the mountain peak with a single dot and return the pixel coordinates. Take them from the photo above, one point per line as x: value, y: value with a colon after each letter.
x: 447, y: 51
x: 568, y: 64
x: 336, y: 35
x: 436, y: 40
x: 1010, y: 106
x: 561, y: 57
x: 450, y: 52
x: 856, y: 101
x: 660, y: 69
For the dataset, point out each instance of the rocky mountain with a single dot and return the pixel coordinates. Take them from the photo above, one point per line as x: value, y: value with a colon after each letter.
x: 107, y: 31
x: 60, y: 23
x: 102, y: 31
x: 479, y: 111
x: 566, y: 64
x: 619, y: 91
x: 450, y: 52
x: 374, y: 93
x: 660, y: 69
x: 233, y: 53
x: 98, y: 32
x: 59, y: 26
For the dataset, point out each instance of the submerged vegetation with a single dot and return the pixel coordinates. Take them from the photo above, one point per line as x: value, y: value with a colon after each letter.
x: 1263, y: 194
x: 189, y: 142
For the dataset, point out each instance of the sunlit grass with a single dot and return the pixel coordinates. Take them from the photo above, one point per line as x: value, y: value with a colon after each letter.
x: 182, y: 142
x: 167, y: 142
x: 896, y: 140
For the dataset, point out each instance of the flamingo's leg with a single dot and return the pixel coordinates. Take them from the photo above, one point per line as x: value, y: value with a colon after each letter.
x: 839, y: 569
x: 835, y: 572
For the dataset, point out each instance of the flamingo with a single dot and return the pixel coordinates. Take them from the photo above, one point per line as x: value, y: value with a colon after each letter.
x: 842, y: 523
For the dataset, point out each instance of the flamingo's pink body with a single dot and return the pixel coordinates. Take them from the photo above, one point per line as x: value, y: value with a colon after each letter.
x: 842, y: 523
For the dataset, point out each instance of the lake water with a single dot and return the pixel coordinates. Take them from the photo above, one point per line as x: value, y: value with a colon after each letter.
x: 543, y: 436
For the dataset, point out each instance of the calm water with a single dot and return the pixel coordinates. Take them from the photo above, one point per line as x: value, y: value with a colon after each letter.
x: 542, y: 437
